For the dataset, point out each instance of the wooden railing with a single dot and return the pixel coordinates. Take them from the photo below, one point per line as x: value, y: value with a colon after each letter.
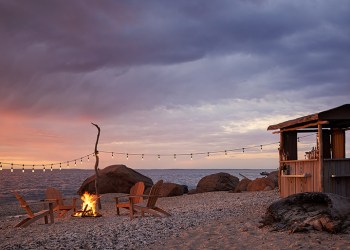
x: 336, y: 176
x: 298, y: 176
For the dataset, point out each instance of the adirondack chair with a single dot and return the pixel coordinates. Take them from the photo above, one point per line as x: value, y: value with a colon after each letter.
x: 32, y: 217
x: 54, y: 195
x: 136, y: 191
x: 150, y: 206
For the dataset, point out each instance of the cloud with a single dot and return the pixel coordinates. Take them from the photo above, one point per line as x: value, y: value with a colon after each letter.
x: 165, y: 71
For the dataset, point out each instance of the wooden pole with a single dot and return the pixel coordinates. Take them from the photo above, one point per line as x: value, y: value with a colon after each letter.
x: 320, y: 153
x: 96, y: 166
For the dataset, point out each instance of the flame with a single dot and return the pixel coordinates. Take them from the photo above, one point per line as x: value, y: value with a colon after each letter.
x: 89, y: 204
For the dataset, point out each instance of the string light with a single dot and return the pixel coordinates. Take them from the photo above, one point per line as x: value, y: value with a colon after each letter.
x: 143, y: 155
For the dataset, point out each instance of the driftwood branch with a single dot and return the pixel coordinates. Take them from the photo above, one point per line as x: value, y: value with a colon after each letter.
x: 96, y: 165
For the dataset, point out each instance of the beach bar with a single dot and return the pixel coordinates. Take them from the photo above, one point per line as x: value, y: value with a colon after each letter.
x: 325, y: 167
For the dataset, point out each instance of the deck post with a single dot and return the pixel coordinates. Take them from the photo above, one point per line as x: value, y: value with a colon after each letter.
x: 320, y: 159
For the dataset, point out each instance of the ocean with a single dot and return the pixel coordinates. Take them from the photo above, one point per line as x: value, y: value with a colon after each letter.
x: 33, y: 185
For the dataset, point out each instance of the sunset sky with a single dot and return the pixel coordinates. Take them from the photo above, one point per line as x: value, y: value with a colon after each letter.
x: 166, y: 77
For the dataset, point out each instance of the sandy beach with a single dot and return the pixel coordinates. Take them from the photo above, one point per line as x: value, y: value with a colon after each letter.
x: 216, y: 220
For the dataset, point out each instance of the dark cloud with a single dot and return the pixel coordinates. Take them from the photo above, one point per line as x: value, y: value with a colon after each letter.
x: 110, y: 57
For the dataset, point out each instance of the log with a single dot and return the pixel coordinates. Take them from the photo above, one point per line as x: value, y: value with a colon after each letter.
x: 309, y: 211
x: 96, y: 166
x: 242, y: 175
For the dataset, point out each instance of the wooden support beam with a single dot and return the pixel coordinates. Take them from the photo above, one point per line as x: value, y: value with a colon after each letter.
x: 320, y: 145
x: 303, y: 126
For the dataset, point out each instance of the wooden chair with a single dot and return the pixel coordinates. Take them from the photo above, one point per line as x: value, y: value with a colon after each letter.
x: 136, y: 192
x: 54, y: 195
x: 150, y: 206
x: 32, y: 217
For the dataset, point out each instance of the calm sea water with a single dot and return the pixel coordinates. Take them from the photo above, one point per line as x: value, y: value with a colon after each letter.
x: 32, y: 185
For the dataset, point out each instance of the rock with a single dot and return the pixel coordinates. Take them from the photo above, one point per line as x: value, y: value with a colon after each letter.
x: 172, y: 189
x: 185, y: 189
x: 242, y: 185
x: 261, y: 184
x: 217, y: 182
x: 312, y: 210
x: 114, y: 179
x: 273, y: 176
x: 192, y: 191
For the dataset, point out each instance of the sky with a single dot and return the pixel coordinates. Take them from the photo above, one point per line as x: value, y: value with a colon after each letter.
x: 166, y: 77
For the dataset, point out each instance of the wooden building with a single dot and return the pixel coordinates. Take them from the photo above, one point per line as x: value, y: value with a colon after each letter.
x: 325, y: 167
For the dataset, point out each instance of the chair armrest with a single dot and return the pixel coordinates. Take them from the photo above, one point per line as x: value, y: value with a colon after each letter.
x: 143, y: 196
x: 40, y: 202
x: 70, y: 198
x: 49, y: 200
x: 122, y: 196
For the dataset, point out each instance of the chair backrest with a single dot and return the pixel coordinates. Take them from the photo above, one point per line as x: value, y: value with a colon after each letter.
x: 137, y: 189
x: 154, y: 194
x: 24, y: 205
x: 53, y: 193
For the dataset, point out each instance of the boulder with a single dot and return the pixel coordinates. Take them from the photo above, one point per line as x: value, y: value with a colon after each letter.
x: 309, y: 211
x: 114, y: 179
x: 172, y: 189
x: 273, y: 176
x: 261, y: 184
x: 242, y: 185
x: 217, y: 182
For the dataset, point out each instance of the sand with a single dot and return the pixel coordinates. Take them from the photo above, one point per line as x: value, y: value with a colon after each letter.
x: 217, y: 220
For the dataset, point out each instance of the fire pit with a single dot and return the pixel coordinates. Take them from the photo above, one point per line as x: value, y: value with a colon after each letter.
x: 88, y: 208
